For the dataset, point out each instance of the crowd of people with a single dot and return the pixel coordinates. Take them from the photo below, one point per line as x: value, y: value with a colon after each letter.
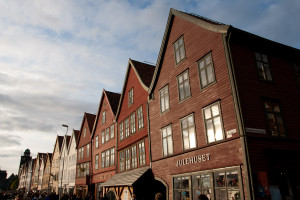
x: 19, y: 195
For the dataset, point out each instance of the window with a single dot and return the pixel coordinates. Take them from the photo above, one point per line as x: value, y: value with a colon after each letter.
x: 97, y: 141
x: 275, y: 118
x: 142, y: 155
x: 201, y: 184
x: 102, y: 137
x: 206, y: 71
x: 296, y: 68
x: 127, y: 159
x: 213, y: 123
x: 106, y: 134
x: 112, y: 131
x: 164, y: 99
x: 183, y: 85
x: 263, y: 67
x: 132, y: 123
x: 140, y: 118
x: 87, y: 150
x: 227, y: 185
x: 96, y: 162
x: 107, y: 156
x: 126, y: 127
x: 121, y: 131
x: 79, y: 153
x: 182, y: 188
x: 103, y: 117
x: 188, y: 132
x: 133, y: 157
x: 121, y: 157
x: 130, y: 97
x: 179, y: 50
x: 84, y: 132
x: 167, y: 141
x: 103, y: 160
x: 112, y: 156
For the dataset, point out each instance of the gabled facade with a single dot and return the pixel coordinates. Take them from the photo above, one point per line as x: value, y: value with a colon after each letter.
x: 36, y: 171
x: 41, y: 172
x: 47, y: 173
x: 55, y: 164
x: 29, y: 175
x: 133, y: 142
x: 71, y: 165
x: 104, y: 140
x: 84, y: 156
x: 63, y: 183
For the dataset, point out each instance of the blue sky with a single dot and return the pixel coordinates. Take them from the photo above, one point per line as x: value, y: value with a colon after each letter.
x: 57, y: 56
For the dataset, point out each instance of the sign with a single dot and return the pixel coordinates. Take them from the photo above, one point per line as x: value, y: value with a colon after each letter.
x: 255, y: 130
x: 193, y: 160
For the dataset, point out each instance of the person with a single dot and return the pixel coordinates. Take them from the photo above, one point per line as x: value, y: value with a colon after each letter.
x: 202, y: 197
x: 133, y: 197
x: 158, y: 196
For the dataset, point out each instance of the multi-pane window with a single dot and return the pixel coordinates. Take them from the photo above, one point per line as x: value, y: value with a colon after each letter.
x: 227, y: 185
x: 133, y: 157
x: 112, y: 131
x: 201, y: 184
x: 103, y: 159
x: 164, y: 99
x: 132, y: 123
x: 206, y: 71
x: 126, y: 127
x: 122, y: 161
x: 97, y: 162
x: 167, y: 140
x: 79, y: 153
x: 130, y: 97
x: 263, y: 67
x: 107, y: 156
x: 102, y: 136
x: 97, y: 141
x: 179, y: 50
x: 103, y: 117
x: 121, y: 130
x: 183, y: 85
x: 140, y: 118
x: 182, y: 188
x: 127, y: 159
x: 213, y: 123
x: 275, y: 118
x: 296, y: 68
x: 106, y: 134
x: 142, y: 154
x: 84, y: 132
x: 112, y: 156
x: 188, y: 132
x: 87, y: 150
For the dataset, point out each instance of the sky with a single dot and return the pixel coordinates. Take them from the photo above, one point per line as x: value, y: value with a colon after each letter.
x: 56, y: 57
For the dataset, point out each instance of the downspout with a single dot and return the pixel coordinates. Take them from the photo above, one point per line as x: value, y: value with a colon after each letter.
x: 239, y: 116
x: 149, y: 138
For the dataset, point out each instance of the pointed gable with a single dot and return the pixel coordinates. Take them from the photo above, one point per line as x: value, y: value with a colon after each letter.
x: 90, y: 120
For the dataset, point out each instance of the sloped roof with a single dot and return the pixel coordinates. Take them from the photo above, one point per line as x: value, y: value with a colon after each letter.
x: 90, y: 120
x: 60, y: 141
x: 145, y: 71
x: 76, y: 134
x: 113, y: 99
x: 68, y: 138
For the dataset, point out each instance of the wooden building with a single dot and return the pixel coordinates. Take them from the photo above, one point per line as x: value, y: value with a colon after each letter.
x: 47, y: 173
x: 55, y: 164
x: 83, y: 181
x: 223, y: 113
x: 104, y: 140
x: 132, y: 142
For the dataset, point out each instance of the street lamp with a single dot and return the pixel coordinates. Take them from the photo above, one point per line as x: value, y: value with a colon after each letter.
x: 62, y: 170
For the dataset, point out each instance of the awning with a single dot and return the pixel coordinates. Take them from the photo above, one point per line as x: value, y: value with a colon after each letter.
x: 126, y: 178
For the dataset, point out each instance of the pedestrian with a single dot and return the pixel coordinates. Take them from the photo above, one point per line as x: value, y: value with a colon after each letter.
x: 158, y: 196
x: 202, y: 197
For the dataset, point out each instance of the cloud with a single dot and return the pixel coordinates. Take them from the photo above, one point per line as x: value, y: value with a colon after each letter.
x: 8, y: 140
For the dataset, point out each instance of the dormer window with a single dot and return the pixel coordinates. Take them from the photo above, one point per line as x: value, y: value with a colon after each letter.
x: 130, y: 97
x: 179, y: 50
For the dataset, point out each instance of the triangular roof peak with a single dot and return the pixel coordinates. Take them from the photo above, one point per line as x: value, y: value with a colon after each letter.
x: 90, y: 118
x: 144, y: 73
x: 192, y: 18
x: 113, y: 101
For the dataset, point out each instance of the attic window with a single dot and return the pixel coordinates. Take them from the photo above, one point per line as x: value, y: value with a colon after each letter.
x: 84, y: 132
x: 130, y: 97
x: 179, y: 50
x: 103, y: 117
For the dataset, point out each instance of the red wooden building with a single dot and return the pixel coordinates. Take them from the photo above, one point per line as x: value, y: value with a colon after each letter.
x: 104, y: 140
x: 223, y: 113
x: 132, y: 141
x: 84, y: 156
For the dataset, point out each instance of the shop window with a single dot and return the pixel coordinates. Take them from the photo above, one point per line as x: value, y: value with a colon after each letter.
x: 130, y: 97
x: 121, y: 131
x: 164, y: 99
x: 132, y: 123
x: 263, y: 67
x: 140, y: 118
x: 183, y: 85
x: 126, y: 127
x: 213, y: 123
x: 167, y: 140
x: 188, y: 132
x: 112, y: 131
x: 296, y: 68
x: 122, y: 161
x: 227, y: 185
x: 275, y: 118
x: 133, y: 157
x: 142, y: 154
x: 206, y: 71
x: 201, y: 184
x: 182, y: 188
x: 179, y: 50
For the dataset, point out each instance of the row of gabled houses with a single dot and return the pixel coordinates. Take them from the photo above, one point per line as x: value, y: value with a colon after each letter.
x: 218, y: 115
